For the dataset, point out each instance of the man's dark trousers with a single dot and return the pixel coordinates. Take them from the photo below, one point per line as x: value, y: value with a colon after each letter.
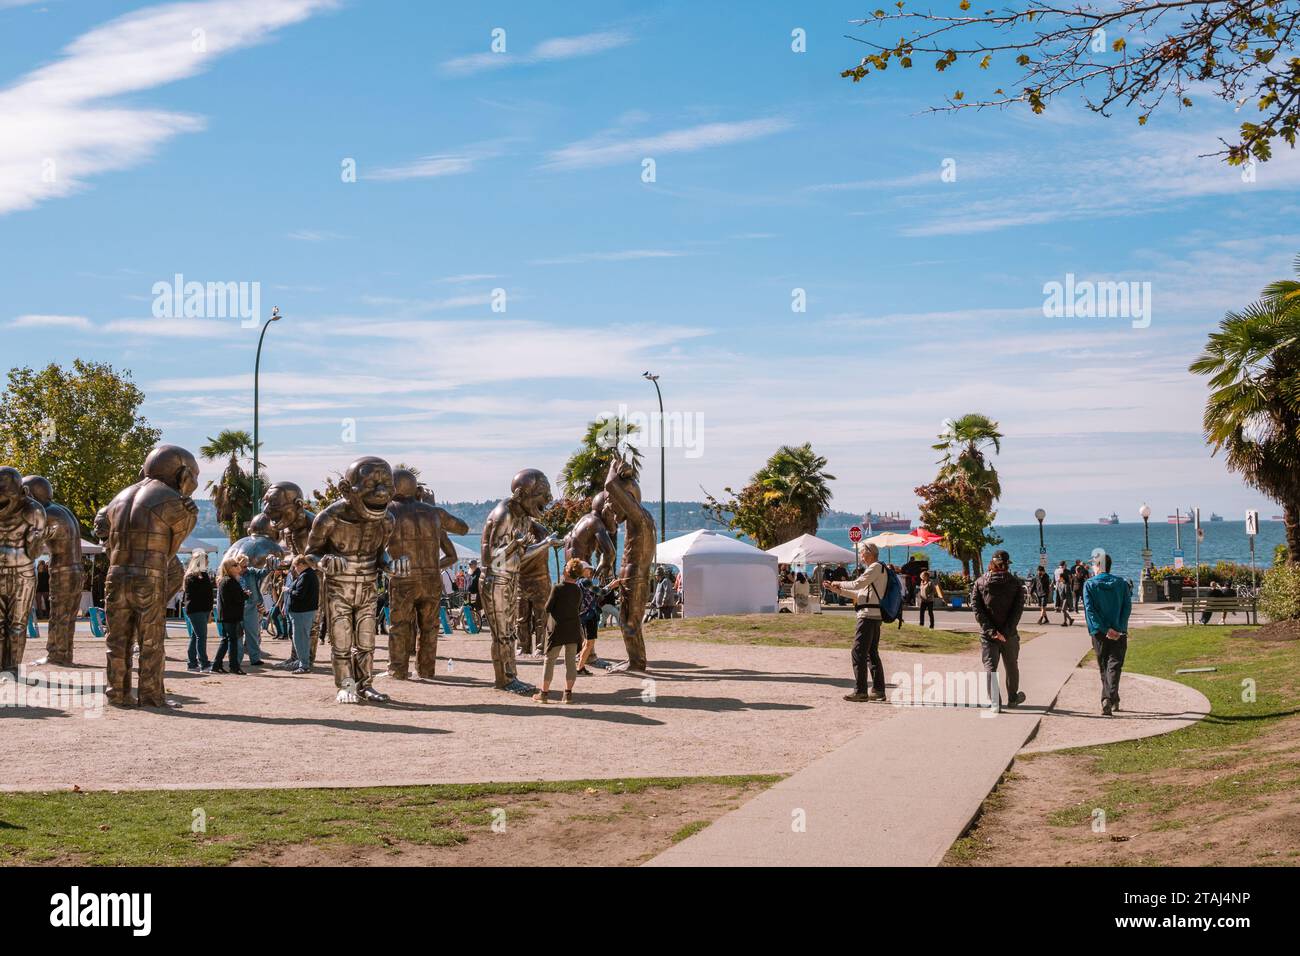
x: 866, y: 657
x: 1110, y: 661
x: 1008, y: 652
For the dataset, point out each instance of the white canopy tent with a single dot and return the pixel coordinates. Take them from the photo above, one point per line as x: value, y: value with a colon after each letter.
x: 810, y: 549
x: 721, y: 575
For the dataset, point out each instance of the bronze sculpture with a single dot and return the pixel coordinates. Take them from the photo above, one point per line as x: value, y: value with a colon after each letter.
x: 291, y: 524
x: 347, y: 543
x: 594, y: 534
x: 413, y: 600
x: 22, y: 536
x: 260, y: 545
x: 145, y: 526
x: 638, y: 556
x: 63, y: 545
x: 290, y: 520
x: 510, y: 551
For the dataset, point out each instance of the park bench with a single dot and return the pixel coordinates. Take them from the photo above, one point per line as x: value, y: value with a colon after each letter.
x: 1193, y: 607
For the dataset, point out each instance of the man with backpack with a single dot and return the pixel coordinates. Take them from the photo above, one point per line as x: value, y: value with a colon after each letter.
x: 999, y: 600
x: 868, y: 592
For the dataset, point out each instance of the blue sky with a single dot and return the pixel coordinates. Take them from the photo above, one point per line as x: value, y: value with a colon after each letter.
x: 522, y: 171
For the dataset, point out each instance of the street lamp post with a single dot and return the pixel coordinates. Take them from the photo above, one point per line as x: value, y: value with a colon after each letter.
x: 1040, y: 514
x: 663, y: 468
x: 1145, y: 513
x: 257, y: 368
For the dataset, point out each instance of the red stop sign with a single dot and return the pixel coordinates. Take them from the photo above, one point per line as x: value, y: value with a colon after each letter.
x: 855, y: 534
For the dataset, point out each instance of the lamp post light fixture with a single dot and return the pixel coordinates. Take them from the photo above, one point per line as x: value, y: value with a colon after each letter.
x: 663, y: 468
x: 1145, y: 513
x: 257, y: 368
x: 1040, y: 514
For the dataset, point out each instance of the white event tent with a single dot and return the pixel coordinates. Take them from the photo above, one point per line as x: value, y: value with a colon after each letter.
x: 721, y: 575
x: 810, y: 549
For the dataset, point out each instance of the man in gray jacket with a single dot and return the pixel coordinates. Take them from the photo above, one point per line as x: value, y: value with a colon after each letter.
x: 866, y: 590
x: 999, y: 601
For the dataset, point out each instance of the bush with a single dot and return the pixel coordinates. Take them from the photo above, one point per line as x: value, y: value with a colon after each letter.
x: 1280, y: 596
x: 1225, y: 572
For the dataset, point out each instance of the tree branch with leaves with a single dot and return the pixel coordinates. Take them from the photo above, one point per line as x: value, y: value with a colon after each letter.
x: 1129, y: 54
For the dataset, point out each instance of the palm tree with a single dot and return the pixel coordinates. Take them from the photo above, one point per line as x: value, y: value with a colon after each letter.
x: 796, y: 475
x: 583, y: 475
x: 232, y: 493
x: 1253, y: 411
x: 963, y: 443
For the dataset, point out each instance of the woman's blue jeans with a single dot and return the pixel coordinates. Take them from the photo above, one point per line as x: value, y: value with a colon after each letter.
x: 198, y: 649
x: 301, y: 623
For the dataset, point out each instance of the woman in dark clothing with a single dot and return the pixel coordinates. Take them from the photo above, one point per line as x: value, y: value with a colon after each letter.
x: 200, y: 592
x: 230, y: 612
x: 302, y: 594
x: 564, y: 607
x: 594, y: 599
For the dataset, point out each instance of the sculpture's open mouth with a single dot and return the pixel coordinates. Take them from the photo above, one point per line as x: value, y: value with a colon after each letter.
x: 374, y: 509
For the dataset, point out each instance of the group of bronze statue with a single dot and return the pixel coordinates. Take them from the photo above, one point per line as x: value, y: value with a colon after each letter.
x: 385, y: 522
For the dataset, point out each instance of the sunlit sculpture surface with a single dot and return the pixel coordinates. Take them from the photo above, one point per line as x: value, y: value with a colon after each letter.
x: 347, y: 543
x: 145, y: 526
x: 638, y: 556
x: 511, y: 551
x: 63, y: 545
x: 22, y: 536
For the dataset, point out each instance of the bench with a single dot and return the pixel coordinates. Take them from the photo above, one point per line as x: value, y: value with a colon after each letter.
x: 1193, y: 607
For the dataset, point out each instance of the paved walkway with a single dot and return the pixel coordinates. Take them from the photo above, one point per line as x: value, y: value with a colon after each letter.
x: 898, y: 794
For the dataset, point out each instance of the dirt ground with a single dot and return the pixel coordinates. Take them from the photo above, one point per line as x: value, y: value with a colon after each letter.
x: 1041, y: 814
x: 551, y: 829
x: 705, y: 710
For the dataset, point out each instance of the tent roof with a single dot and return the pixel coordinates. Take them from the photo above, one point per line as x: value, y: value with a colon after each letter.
x: 810, y: 549
x: 705, y: 543
x: 90, y: 547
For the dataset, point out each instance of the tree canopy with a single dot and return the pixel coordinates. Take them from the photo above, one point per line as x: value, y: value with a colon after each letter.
x: 80, y: 427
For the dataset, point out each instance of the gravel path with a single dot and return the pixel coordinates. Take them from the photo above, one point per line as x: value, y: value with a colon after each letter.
x: 711, y: 709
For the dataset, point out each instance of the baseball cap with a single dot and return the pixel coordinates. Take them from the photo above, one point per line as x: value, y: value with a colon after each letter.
x: 1002, y: 557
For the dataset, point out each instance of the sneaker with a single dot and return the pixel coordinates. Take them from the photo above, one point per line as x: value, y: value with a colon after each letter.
x: 193, y: 668
x: 300, y: 670
x: 216, y: 669
x: 1114, y: 705
x: 542, y: 697
x: 1017, y: 700
x: 568, y: 697
x: 1107, y: 708
x: 857, y: 698
x: 877, y: 695
x: 582, y: 671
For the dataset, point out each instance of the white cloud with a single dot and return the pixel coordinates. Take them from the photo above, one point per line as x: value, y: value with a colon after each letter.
x: 56, y: 130
x: 625, y: 255
x: 51, y: 322
x: 427, y: 167
x: 604, y: 150
x: 174, y: 328
x: 557, y: 48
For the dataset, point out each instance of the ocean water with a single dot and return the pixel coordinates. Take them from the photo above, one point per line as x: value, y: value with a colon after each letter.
x: 1224, y: 541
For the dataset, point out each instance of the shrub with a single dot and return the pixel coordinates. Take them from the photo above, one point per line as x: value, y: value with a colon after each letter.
x: 1280, y: 596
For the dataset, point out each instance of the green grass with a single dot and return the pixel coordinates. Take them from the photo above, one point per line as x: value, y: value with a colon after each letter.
x: 692, y: 828
x: 833, y: 629
x: 1220, y: 744
x: 155, y: 827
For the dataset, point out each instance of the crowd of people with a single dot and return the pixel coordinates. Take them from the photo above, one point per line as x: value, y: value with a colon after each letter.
x: 247, y: 603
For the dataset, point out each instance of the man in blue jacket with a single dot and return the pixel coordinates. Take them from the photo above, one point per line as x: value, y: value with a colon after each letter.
x: 1106, y: 607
